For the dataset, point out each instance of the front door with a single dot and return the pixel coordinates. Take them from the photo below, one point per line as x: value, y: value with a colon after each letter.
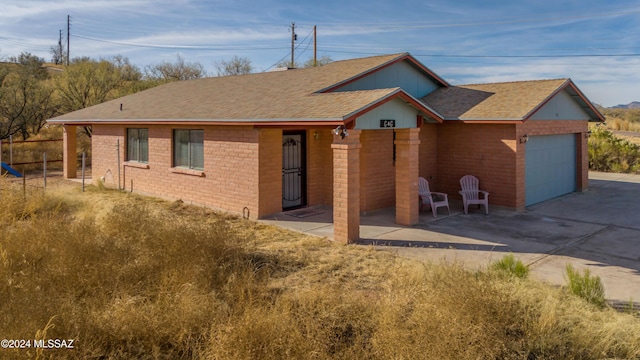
x: 293, y: 170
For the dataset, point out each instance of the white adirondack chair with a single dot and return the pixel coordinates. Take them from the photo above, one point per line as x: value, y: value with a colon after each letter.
x: 434, y: 199
x: 471, y: 194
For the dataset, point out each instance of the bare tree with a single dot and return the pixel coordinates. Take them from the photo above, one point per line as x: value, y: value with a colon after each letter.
x: 58, y: 54
x: 236, y: 66
x: 179, y: 70
x: 323, y: 60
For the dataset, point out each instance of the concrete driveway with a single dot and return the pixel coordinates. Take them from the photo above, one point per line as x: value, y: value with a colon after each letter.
x: 598, y: 229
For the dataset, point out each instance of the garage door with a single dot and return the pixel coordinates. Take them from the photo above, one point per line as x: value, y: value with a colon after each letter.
x: 550, y: 168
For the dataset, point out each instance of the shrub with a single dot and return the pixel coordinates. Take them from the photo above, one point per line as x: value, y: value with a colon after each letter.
x: 611, y: 154
x: 511, y: 266
x: 586, y: 286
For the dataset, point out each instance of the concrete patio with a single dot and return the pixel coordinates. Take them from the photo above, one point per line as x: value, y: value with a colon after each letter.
x: 598, y: 229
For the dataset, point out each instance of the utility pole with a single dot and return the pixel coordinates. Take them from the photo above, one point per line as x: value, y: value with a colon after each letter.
x: 60, y: 50
x: 293, y: 39
x: 315, y: 48
x: 68, y: 37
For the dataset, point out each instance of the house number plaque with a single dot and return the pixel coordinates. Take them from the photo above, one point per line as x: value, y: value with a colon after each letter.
x: 387, y: 123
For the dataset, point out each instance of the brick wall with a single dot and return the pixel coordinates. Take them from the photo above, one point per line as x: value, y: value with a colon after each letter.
x: 319, y: 167
x: 377, y: 170
x: 234, y: 163
x: 429, y: 154
x: 493, y: 153
x: 486, y: 151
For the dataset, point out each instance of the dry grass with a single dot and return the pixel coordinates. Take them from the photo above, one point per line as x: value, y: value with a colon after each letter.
x: 132, y: 277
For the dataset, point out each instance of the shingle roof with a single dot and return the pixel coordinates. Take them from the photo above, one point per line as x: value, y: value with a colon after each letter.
x: 272, y: 96
x: 309, y: 96
x: 501, y: 101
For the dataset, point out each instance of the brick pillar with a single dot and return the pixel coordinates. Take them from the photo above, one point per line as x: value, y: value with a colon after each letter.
x: 407, y: 172
x: 582, y: 159
x: 269, y: 172
x: 346, y: 187
x: 70, y: 157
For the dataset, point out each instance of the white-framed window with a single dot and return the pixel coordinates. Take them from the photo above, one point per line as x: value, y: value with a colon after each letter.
x: 188, y: 149
x: 138, y: 145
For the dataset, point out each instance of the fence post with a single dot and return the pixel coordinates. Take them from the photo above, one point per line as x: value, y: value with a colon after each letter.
x: 118, y: 149
x: 83, y: 171
x: 44, y: 169
x: 11, y: 150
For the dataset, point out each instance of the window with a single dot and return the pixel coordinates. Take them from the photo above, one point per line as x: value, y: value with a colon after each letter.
x: 138, y: 145
x: 188, y: 149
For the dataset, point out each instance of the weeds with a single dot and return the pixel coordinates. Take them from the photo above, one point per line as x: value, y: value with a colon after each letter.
x: 586, y: 286
x: 509, y: 265
x: 133, y: 277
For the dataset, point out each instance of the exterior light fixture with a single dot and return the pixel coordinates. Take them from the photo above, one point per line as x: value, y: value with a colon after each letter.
x: 524, y: 138
x: 316, y: 134
x: 340, y: 131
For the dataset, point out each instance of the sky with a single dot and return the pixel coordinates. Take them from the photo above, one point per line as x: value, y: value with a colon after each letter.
x: 595, y: 43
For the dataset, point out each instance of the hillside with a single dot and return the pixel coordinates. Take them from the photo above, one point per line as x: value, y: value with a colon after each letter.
x: 631, y: 105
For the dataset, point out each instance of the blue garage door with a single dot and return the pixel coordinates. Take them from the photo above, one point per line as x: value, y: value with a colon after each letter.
x: 550, y: 168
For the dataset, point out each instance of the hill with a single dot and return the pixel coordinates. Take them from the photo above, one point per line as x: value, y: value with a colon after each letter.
x: 631, y: 105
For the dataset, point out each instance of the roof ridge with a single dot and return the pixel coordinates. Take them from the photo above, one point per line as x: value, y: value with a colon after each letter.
x: 515, y: 82
x: 394, y: 55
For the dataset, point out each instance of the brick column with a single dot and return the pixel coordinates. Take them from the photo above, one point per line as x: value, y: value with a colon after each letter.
x: 407, y: 172
x: 582, y: 159
x: 269, y: 172
x: 346, y: 187
x: 70, y: 157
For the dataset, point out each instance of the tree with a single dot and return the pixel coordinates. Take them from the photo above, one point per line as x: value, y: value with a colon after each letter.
x: 26, y: 96
x: 58, y: 53
x: 180, y: 70
x: 323, y: 60
x: 86, y: 82
x: 287, y: 64
x: 235, y: 66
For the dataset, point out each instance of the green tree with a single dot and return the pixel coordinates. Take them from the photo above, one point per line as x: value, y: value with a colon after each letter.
x: 86, y: 82
x: 26, y: 96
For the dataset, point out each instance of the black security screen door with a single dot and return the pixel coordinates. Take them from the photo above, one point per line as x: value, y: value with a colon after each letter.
x: 293, y: 171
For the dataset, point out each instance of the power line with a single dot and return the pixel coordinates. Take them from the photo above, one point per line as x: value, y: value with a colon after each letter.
x: 182, y: 47
x: 491, y: 56
x: 427, y: 25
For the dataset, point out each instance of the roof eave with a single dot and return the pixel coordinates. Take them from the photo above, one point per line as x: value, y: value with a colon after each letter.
x: 233, y: 122
x: 486, y: 121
